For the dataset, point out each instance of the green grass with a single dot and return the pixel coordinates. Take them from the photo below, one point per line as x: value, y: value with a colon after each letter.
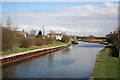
x: 107, y: 64
x: 57, y: 43
x: 95, y: 42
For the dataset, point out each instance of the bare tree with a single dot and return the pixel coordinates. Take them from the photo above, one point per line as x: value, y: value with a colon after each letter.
x: 65, y: 38
x: 15, y: 27
x: 33, y: 32
x: 9, y: 22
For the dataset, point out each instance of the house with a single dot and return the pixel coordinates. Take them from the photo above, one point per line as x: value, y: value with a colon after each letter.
x: 21, y: 33
x: 56, y: 35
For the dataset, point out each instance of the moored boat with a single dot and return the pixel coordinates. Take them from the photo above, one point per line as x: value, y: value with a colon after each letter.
x: 73, y: 41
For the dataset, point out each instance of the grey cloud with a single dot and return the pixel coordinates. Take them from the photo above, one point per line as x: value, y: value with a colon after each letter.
x: 80, y: 20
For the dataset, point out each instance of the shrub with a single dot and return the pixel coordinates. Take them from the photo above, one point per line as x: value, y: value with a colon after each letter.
x: 8, y: 38
x: 48, y: 40
x: 45, y: 41
x: 65, y: 38
x: 27, y: 42
x: 39, y: 34
x: 39, y: 42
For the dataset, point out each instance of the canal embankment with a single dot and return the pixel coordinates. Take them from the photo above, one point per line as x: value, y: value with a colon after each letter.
x: 100, y: 42
x: 107, y: 62
x: 17, y: 50
x: 40, y: 50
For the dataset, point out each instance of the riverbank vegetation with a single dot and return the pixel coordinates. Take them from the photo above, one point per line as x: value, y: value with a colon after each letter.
x: 17, y: 50
x: 14, y: 41
x: 107, y: 62
x: 100, y: 42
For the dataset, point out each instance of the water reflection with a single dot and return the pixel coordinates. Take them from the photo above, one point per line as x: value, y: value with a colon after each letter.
x: 91, y: 46
x: 65, y: 51
x: 50, y: 60
x: 76, y: 61
x: 66, y: 61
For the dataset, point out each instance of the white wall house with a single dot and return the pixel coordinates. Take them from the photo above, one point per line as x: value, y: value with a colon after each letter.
x: 57, y: 36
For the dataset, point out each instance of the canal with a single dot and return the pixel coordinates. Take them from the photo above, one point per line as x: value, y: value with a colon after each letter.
x: 76, y: 61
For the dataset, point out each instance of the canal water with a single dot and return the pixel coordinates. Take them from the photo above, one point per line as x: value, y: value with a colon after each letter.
x: 76, y: 61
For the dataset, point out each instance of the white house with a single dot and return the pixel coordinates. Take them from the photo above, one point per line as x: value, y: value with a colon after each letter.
x: 56, y: 35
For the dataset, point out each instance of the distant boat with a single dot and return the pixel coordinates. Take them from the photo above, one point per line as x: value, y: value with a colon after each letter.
x: 73, y: 41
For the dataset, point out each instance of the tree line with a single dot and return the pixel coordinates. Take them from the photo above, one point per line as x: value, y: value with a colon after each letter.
x: 11, y: 39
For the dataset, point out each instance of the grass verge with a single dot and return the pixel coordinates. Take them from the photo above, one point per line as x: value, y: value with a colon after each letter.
x: 107, y: 63
x: 95, y: 42
x: 57, y: 43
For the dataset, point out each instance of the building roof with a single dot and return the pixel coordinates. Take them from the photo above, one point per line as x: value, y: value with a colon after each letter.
x: 20, y: 32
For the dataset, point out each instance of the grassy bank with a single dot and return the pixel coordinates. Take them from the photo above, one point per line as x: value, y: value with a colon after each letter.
x: 57, y: 43
x: 107, y: 63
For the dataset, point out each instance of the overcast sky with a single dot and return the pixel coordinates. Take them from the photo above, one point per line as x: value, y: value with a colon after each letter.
x: 77, y: 18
